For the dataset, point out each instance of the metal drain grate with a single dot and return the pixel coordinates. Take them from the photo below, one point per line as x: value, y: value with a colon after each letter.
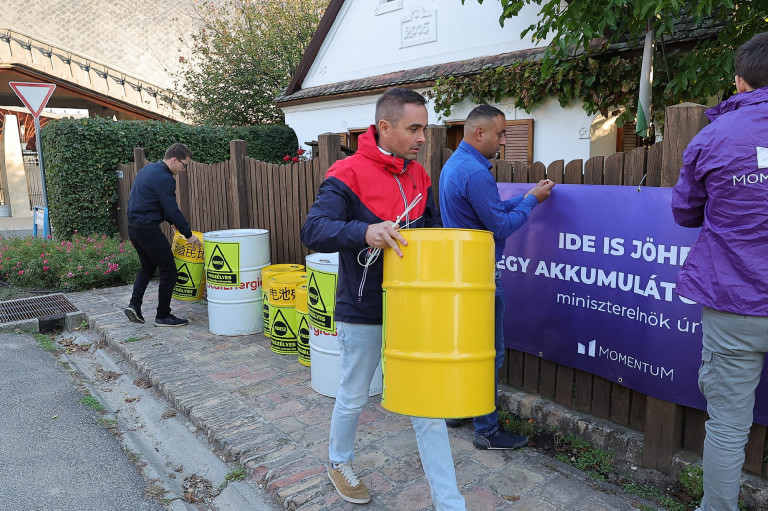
x: 37, y: 307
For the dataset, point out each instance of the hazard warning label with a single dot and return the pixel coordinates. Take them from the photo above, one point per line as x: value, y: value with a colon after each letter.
x: 283, y: 330
x: 189, y: 278
x: 321, y: 299
x: 222, y: 263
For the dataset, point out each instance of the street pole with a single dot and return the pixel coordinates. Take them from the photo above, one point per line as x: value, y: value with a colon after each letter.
x: 39, y: 144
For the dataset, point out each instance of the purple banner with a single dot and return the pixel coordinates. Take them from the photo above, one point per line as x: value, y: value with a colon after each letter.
x: 589, y: 283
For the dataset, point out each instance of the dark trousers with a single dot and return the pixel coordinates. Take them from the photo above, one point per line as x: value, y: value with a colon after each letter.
x: 154, y: 253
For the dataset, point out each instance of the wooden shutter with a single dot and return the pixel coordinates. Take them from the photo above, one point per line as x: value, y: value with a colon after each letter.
x: 626, y: 138
x: 519, y: 143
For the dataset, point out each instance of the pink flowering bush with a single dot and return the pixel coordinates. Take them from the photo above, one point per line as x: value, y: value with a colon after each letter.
x: 79, y: 262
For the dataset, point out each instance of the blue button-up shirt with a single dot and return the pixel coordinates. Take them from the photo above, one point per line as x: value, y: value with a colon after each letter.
x: 469, y: 198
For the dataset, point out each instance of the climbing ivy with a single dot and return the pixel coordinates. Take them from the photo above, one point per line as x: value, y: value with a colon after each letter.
x: 595, y: 56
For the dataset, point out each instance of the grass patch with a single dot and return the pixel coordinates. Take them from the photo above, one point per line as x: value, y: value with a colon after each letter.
x: 92, y: 402
x: 109, y: 423
x: 132, y: 339
x: 133, y: 457
x: 237, y: 474
x: 45, y: 342
x: 579, y: 453
x: 525, y: 427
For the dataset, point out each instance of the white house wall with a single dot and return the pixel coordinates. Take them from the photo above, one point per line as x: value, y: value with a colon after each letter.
x: 559, y: 133
x: 362, y: 43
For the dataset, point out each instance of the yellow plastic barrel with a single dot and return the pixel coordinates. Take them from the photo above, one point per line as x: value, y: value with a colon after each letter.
x: 267, y: 273
x: 302, y: 320
x: 190, y: 268
x: 438, y: 330
x: 282, y: 302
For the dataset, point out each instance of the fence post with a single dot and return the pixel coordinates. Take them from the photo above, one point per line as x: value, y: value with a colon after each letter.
x: 328, y: 151
x: 663, y: 420
x: 182, y: 190
x: 138, y: 158
x: 237, y: 197
x: 682, y: 123
x: 431, y: 155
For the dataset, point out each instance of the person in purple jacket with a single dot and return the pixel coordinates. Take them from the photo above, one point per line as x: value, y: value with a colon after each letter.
x: 723, y: 188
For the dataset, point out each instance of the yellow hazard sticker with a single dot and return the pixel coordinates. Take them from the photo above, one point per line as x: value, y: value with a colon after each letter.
x: 222, y: 263
x: 302, y: 344
x: 189, y: 279
x: 284, y: 330
x: 265, y: 310
x: 321, y: 299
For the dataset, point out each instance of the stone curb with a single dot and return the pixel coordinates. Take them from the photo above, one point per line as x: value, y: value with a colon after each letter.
x: 290, y: 473
x: 71, y: 320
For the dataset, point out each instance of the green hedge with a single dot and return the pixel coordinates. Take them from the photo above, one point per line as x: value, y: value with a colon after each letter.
x: 81, y: 156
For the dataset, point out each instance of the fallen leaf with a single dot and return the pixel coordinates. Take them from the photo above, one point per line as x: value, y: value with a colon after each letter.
x: 513, y: 498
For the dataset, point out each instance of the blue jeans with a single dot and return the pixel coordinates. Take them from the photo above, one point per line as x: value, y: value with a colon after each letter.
x: 486, y: 425
x: 732, y: 356
x: 360, y: 350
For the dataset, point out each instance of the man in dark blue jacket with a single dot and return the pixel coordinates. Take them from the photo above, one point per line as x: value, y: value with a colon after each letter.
x: 153, y: 201
x: 469, y: 199
x: 353, y: 214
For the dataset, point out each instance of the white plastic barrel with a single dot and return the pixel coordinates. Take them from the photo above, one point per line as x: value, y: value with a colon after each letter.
x: 325, y: 367
x: 322, y: 275
x: 233, y: 262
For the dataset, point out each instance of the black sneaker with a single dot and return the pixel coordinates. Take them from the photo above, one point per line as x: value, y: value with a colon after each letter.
x: 502, y: 439
x: 134, y: 314
x: 171, y: 321
x: 455, y: 423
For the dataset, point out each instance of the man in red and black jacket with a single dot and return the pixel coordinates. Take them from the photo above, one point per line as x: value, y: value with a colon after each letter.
x: 354, y: 214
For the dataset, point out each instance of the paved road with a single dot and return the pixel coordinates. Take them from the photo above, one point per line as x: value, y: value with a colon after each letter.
x: 54, y: 455
x: 58, y: 454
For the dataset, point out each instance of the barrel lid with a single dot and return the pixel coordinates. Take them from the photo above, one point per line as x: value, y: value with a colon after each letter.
x: 234, y: 233
x: 323, y: 258
x: 288, y: 278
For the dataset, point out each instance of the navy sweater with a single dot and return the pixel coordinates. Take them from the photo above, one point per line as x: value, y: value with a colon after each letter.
x: 363, y: 189
x: 153, y: 199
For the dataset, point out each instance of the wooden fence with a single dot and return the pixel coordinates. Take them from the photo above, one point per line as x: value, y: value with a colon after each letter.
x: 240, y: 193
x: 245, y: 193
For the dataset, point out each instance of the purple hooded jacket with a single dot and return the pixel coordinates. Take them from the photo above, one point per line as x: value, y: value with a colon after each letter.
x: 723, y: 188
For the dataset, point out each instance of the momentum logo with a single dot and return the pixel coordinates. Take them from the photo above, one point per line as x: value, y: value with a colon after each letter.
x: 583, y: 349
x: 595, y: 351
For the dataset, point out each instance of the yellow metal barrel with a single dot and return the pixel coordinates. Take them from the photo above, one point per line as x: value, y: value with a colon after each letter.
x: 282, y: 302
x: 267, y: 273
x: 302, y: 320
x: 438, y: 332
x: 190, y: 268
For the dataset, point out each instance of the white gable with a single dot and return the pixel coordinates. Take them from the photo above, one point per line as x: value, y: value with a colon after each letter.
x: 374, y: 37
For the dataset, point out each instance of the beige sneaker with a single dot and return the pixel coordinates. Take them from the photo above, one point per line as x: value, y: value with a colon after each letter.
x: 350, y: 488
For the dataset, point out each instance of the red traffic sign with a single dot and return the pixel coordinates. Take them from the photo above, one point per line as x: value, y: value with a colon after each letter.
x: 34, y: 95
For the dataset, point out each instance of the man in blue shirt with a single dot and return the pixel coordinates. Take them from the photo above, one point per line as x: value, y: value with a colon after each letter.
x: 470, y: 199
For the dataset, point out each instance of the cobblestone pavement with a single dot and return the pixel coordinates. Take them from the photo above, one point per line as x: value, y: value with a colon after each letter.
x: 258, y: 408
